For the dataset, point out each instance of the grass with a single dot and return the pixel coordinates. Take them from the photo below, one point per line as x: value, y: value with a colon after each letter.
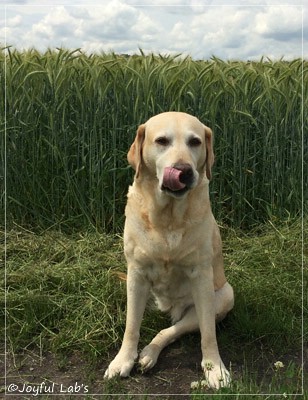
x: 65, y: 294
x: 70, y: 119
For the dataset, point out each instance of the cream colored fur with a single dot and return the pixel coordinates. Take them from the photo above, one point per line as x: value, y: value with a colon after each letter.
x: 172, y: 246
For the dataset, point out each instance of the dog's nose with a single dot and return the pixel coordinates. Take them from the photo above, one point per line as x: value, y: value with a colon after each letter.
x: 187, y: 175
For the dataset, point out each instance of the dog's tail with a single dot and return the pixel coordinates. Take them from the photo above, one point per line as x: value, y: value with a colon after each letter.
x: 121, y: 275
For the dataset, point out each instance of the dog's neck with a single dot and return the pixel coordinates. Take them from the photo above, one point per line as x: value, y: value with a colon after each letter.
x: 158, y: 209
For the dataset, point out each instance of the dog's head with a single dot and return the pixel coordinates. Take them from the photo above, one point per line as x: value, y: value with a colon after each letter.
x: 175, y: 148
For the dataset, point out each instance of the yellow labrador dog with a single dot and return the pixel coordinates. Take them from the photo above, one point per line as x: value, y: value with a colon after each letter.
x: 172, y: 243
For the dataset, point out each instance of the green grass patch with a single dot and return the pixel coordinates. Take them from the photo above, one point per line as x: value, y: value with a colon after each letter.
x: 64, y: 294
x: 61, y: 291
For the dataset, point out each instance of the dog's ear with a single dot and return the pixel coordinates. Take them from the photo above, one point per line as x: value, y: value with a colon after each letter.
x: 134, y: 156
x: 209, y: 151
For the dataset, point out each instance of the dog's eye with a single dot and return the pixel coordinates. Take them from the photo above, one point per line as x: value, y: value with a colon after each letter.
x: 194, y: 142
x: 162, y: 141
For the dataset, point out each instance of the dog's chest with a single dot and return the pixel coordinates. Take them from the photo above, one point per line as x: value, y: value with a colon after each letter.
x: 166, y: 277
x: 173, y: 238
x: 166, y: 245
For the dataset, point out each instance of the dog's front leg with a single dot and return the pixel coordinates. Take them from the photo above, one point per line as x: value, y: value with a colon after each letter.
x: 216, y: 374
x: 137, y: 294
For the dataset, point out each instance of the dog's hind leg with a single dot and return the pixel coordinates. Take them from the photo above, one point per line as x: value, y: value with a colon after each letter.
x: 189, y: 323
x: 224, y: 301
x: 149, y: 355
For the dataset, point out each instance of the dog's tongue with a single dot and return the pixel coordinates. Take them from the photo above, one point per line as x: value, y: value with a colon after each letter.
x: 171, y: 179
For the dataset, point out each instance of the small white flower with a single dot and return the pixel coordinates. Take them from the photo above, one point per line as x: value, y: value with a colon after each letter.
x: 194, y: 385
x: 278, y: 365
x: 199, y: 384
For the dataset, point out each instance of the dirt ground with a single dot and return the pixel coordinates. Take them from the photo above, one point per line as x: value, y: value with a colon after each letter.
x: 173, y: 374
x: 32, y: 373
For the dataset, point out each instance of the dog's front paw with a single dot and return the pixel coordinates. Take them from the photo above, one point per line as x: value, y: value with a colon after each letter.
x: 216, y: 375
x: 121, y: 365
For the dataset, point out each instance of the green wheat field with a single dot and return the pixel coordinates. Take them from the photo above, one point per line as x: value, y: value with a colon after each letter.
x: 67, y: 120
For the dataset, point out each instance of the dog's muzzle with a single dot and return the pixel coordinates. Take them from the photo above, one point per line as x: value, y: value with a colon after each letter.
x: 178, y: 179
